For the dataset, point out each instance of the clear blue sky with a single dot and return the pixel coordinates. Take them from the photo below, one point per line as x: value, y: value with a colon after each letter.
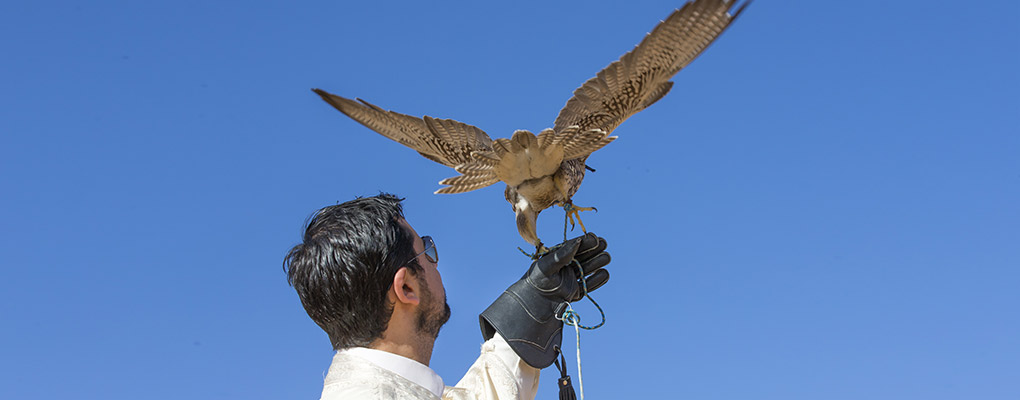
x: 827, y: 205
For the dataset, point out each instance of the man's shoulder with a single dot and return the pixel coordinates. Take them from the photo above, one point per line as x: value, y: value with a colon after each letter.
x: 339, y: 392
x: 351, y: 377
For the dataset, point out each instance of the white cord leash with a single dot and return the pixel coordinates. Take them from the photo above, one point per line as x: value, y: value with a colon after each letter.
x: 571, y: 317
x: 577, y: 332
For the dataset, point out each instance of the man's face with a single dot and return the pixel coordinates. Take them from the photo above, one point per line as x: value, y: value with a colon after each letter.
x: 433, y: 310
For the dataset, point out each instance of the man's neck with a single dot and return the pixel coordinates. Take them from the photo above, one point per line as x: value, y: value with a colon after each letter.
x: 420, y: 352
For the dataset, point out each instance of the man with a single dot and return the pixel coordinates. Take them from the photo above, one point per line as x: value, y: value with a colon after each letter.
x: 366, y: 278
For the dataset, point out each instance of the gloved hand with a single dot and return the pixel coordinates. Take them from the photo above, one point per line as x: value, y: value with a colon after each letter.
x: 525, y: 314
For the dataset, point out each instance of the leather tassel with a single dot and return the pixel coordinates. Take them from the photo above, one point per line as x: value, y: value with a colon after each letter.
x: 566, y: 388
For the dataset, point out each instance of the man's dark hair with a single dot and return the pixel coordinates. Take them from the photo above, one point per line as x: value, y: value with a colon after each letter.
x: 345, y: 266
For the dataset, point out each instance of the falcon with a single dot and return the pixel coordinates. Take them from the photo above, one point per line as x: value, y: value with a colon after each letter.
x: 547, y: 169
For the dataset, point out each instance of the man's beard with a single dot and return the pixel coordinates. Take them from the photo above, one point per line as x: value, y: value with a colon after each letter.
x: 432, y: 317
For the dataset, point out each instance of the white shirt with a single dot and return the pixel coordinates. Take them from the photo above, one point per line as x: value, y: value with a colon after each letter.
x: 409, y: 369
x: 363, y: 373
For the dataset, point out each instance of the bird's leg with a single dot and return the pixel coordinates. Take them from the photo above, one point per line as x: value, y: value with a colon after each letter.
x: 574, y: 212
x: 540, y: 251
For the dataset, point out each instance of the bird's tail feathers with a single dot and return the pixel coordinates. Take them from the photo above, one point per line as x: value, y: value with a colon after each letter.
x: 525, y: 156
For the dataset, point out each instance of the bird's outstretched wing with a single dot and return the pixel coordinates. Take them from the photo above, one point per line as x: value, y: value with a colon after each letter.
x: 641, y: 77
x: 444, y: 141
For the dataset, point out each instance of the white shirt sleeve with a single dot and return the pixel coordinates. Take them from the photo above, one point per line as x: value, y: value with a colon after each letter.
x: 498, y: 374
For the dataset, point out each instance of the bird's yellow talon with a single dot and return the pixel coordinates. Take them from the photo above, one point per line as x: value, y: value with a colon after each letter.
x: 574, y: 213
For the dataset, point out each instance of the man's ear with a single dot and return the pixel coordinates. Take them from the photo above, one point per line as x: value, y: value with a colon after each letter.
x: 405, y: 287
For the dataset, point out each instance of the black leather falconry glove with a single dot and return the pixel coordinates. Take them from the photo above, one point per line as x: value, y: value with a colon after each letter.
x: 525, y: 314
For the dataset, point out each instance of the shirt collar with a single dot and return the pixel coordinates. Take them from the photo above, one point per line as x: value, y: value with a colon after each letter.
x: 409, y: 369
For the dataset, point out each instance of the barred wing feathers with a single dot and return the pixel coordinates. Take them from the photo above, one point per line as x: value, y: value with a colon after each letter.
x: 641, y: 77
x: 444, y: 141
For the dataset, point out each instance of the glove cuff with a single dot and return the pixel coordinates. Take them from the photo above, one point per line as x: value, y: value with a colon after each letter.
x: 528, y: 323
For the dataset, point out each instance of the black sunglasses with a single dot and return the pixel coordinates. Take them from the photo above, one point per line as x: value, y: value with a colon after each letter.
x: 430, y: 251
